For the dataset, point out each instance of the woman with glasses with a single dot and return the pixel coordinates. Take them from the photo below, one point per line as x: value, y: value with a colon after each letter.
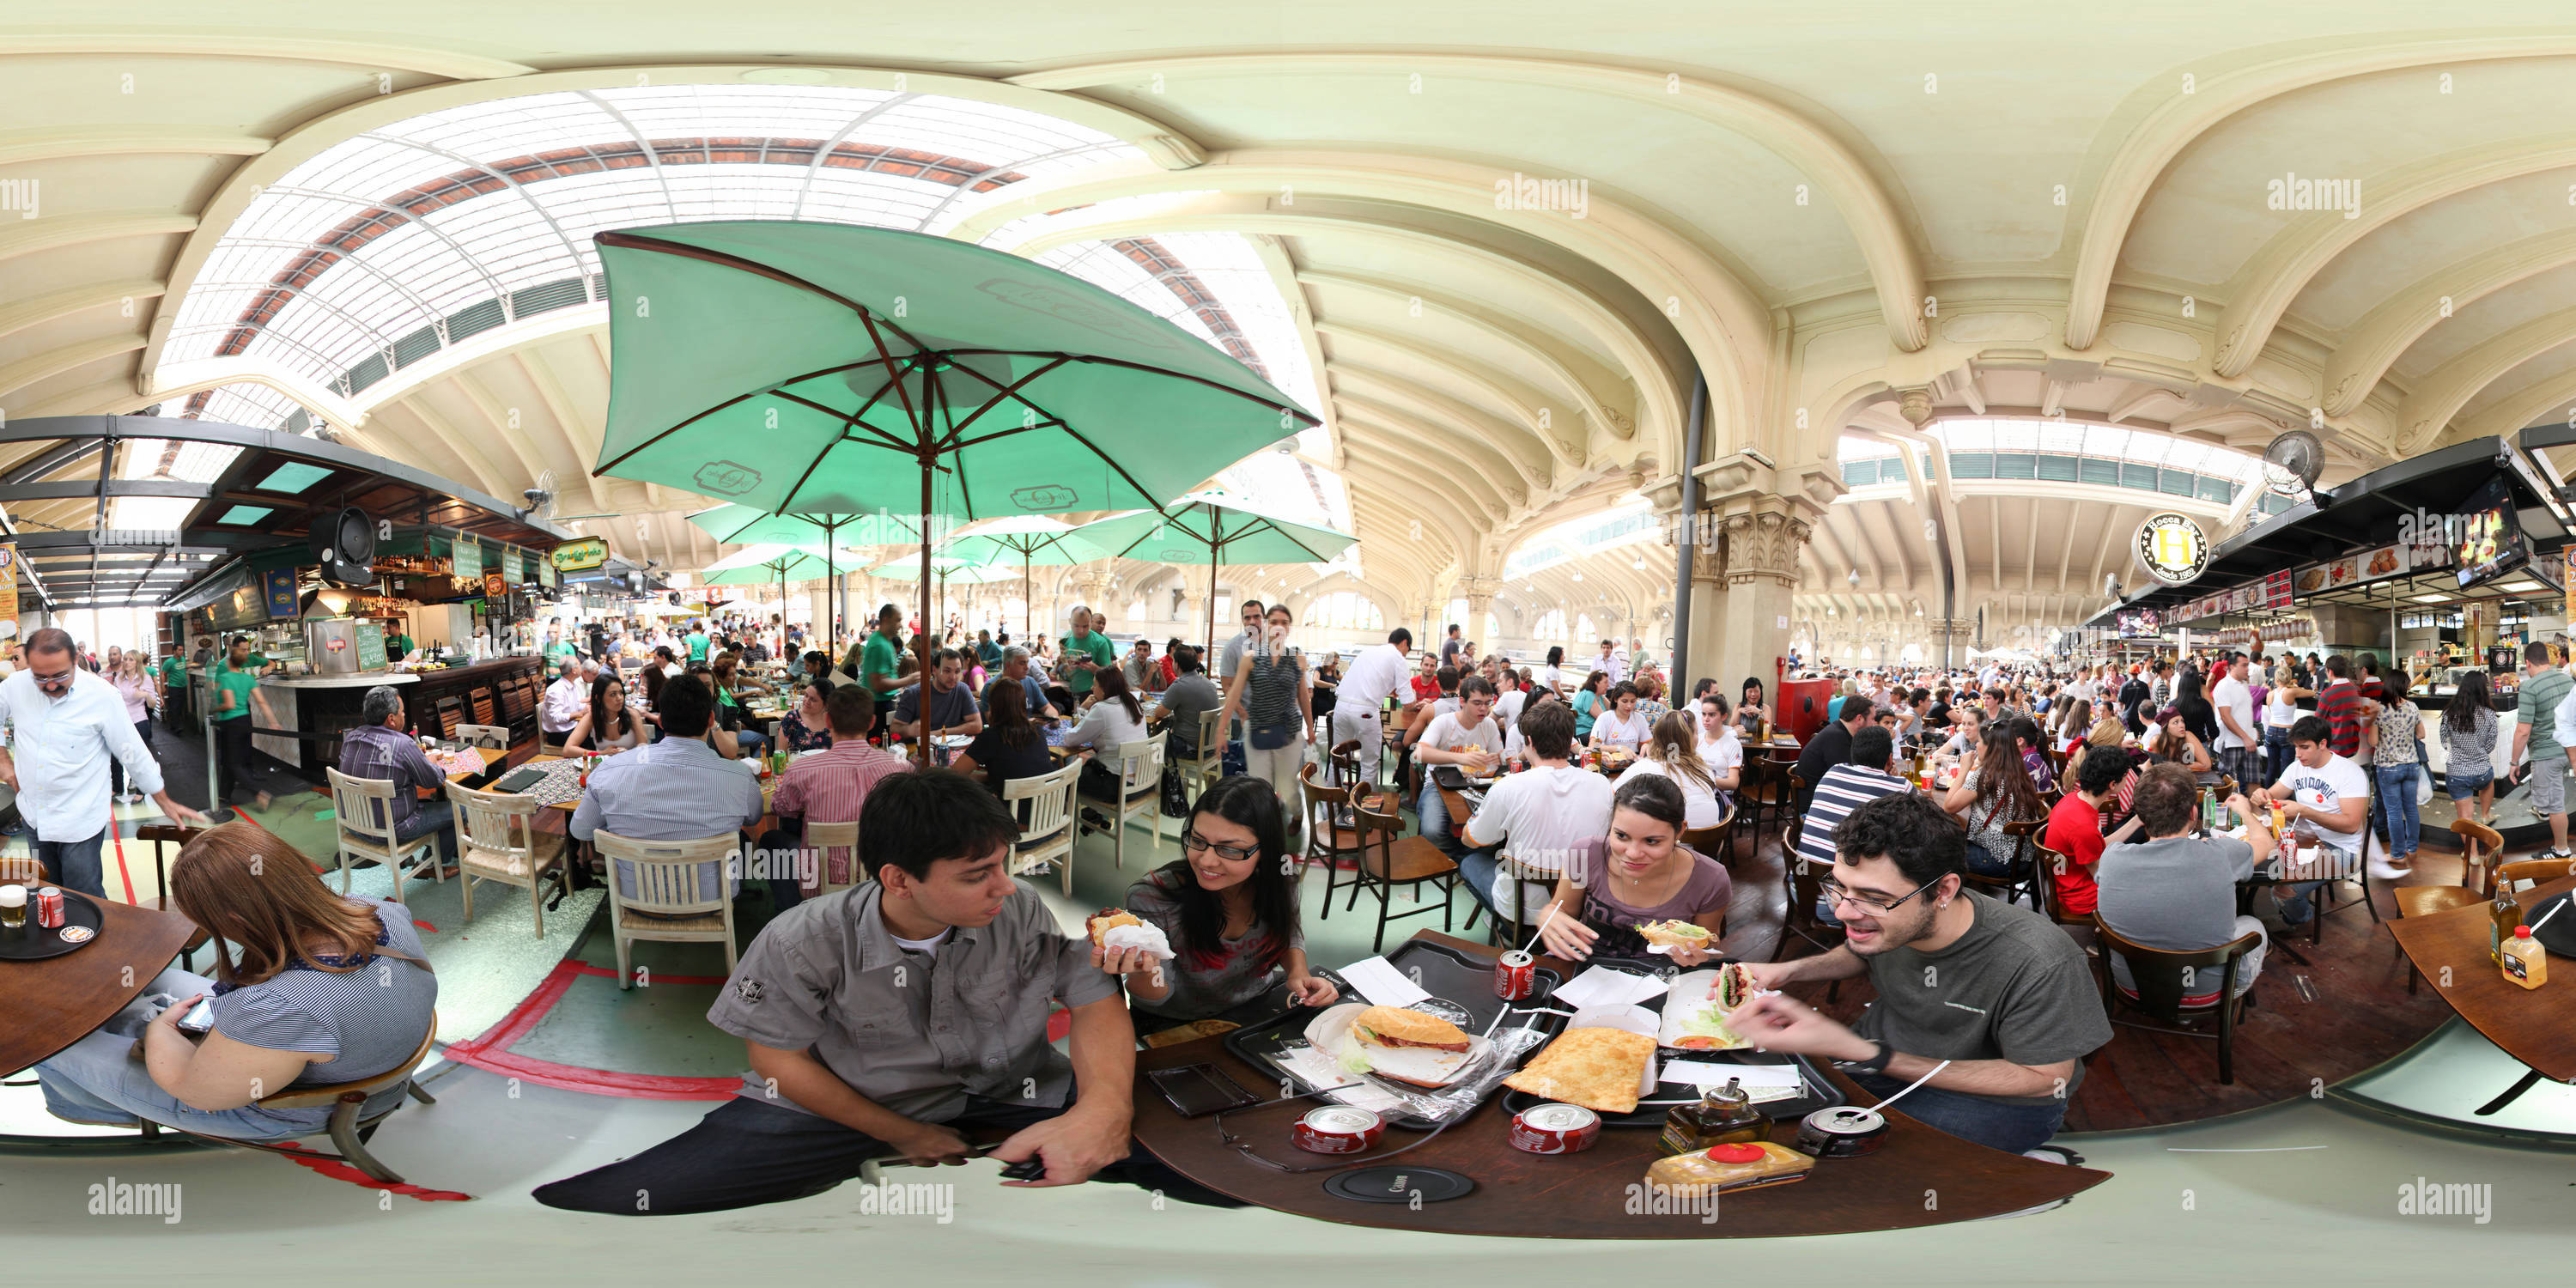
x: 1229, y: 909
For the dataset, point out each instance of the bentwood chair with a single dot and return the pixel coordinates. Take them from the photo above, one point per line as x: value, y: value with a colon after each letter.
x: 1388, y: 859
x: 680, y: 893
x: 2023, y: 873
x: 497, y: 840
x: 164, y: 840
x: 1045, y: 808
x: 1331, y: 847
x: 363, y: 809
x: 351, y: 1126
x: 1805, y: 891
x: 2172, y: 988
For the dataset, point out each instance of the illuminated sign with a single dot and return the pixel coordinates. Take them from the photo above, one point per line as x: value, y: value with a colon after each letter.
x: 2172, y: 548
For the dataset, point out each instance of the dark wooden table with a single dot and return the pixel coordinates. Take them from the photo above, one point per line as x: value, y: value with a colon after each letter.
x: 1919, y: 1177
x: 57, y: 1001
x: 2529, y: 1024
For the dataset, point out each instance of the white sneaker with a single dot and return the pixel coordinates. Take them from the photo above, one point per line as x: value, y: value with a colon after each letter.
x: 2381, y: 868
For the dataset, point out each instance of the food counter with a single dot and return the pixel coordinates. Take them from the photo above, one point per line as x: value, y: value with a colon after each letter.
x: 299, y: 718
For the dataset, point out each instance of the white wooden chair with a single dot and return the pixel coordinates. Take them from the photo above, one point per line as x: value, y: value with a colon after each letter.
x: 350, y: 1126
x: 358, y: 803
x: 675, y: 901
x: 491, y: 737
x: 831, y: 840
x: 1140, y: 791
x: 1200, y: 772
x: 497, y: 840
x: 1046, y: 825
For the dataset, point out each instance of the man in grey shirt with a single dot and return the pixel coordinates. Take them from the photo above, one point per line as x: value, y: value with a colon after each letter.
x: 894, y: 1017
x: 2177, y: 892
x: 2001, y: 995
x: 1192, y: 694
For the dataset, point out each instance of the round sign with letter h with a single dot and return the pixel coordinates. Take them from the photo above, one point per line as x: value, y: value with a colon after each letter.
x: 2172, y: 548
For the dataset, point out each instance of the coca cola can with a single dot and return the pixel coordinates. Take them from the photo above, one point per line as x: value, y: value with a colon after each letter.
x: 1337, y: 1129
x: 1555, y: 1129
x: 1515, y: 976
x: 49, y: 908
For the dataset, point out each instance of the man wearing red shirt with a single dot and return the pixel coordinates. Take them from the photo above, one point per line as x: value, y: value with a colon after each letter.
x: 2075, y: 830
x: 1426, y: 685
x: 2340, y: 704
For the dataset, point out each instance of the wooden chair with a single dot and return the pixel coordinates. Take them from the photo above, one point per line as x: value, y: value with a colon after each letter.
x: 2480, y: 845
x: 497, y: 840
x: 1045, y: 807
x: 1327, y: 845
x: 2167, y: 984
x: 2024, y: 873
x: 359, y: 803
x: 1200, y: 772
x: 2424, y: 901
x: 350, y: 1126
x: 483, y: 706
x: 1805, y: 889
x: 1388, y: 859
x: 1343, y: 764
x: 1715, y: 840
x: 490, y: 737
x: 449, y: 713
x: 832, y: 840
x: 164, y: 840
x: 675, y: 901
x: 1140, y: 792
x: 1511, y: 927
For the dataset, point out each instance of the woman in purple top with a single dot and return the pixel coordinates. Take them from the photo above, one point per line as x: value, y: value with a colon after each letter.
x: 1640, y: 872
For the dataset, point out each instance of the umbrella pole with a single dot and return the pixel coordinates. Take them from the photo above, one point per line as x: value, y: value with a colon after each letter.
x: 923, y: 711
x: 1211, y: 595
x: 1028, y: 599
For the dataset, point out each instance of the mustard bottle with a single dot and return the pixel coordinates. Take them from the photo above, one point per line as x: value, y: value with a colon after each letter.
x: 2525, y: 961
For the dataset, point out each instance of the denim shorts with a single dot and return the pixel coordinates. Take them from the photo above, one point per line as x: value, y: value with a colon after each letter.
x: 2461, y: 786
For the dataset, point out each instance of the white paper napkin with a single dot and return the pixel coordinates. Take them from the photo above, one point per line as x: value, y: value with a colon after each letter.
x: 1382, y: 984
x: 1319, y: 1071
x: 1601, y: 986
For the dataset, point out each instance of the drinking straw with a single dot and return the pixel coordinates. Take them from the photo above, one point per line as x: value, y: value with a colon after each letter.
x: 1542, y: 925
x: 1916, y: 1083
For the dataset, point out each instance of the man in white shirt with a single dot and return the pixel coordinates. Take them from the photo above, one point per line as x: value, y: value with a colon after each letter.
x: 1542, y: 815
x: 65, y: 722
x: 1373, y: 677
x: 1610, y: 663
x: 2331, y: 795
x: 1467, y: 737
x: 2240, y: 738
x: 566, y: 699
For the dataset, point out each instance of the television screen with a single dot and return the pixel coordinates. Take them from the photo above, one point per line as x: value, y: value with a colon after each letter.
x: 2491, y: 539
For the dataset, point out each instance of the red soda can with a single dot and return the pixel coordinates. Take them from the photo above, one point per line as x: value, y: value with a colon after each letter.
x: 49, y: 908
x: 1337, y: 1129
x: 1515, y: 976
x: 1555, y: 1129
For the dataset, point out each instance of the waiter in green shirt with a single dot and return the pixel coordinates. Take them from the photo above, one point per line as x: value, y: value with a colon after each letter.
x: 881, y: 664
x: 1086, y: 653
x: 558, y: 649
x: 697, y: 642
x: 399, y: 647
x: 174, y: 688
x: 235, y: 675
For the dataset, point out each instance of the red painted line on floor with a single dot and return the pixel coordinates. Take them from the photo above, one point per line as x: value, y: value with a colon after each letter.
x: 602, y: 972
x: 522, y: 1017
x: 424, y: 925
x: 601, y: 1082
x: 339, y: 1171
x: 121, y: 873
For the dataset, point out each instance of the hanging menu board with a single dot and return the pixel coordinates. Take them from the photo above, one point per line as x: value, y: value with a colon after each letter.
x: 469, y: 561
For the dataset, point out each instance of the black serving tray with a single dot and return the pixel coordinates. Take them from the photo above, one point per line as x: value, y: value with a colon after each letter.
x: 1449, y: 973
x: 32, y: 942
x: 1821, y: 1093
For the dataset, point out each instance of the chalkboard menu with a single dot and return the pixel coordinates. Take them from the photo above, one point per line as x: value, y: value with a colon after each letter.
x: 469, y: 562
x: 371, y: 646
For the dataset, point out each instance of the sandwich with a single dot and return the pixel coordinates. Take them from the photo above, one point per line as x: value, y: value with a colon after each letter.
x: 1675, y: 934
x: 1407, y: 1046
x: 1703, y: 1027
x: 1597, y: 1068
x: 1118, y: 928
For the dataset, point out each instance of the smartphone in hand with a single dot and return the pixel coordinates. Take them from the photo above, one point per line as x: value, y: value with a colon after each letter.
x: 200, y: 1018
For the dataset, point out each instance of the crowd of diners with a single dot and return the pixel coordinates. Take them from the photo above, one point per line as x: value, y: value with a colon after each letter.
x: 853, y: 1056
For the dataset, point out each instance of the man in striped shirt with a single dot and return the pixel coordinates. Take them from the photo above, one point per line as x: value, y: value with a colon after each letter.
x: 2339, y: 703
x: 827, y: 787
x: 1844, y: 788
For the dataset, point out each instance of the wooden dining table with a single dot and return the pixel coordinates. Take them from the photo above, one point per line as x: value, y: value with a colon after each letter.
x: 1917, y: 1177
x: 2530, y: 1024
x: 57, y: 1001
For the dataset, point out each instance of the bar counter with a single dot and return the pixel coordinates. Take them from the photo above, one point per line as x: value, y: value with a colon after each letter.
x: 299, y: 718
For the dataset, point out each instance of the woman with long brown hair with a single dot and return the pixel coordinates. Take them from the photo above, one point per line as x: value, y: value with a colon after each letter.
x: 310, y: 988
x: 1673, y: 751
x: 1996, y: 793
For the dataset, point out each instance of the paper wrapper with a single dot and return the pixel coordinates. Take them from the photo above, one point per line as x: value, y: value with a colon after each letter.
x: 1144, y: 935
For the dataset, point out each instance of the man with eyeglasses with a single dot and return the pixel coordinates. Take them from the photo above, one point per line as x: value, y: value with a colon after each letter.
x: 65, y: 724
x: 1996, y: 991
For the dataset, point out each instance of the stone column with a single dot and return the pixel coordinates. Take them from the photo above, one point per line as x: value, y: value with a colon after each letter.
x: 1761, y: 571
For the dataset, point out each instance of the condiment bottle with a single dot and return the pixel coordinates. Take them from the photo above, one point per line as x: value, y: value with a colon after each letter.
x: 2525, y: 961
x: 1723, y: 1116
x: 2504, y: 917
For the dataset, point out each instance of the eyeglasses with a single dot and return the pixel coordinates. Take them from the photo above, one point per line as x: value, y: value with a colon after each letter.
x: 63, y: 676
x: 1191, y: 840
x: 1835, y: 892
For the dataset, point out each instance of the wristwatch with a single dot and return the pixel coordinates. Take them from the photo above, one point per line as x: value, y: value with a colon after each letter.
x: 1875, y: 1063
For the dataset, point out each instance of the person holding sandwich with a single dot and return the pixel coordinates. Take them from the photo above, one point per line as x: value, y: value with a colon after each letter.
x: 1227, y: 910
x: 897, y: 1016
x: 1639, y: 885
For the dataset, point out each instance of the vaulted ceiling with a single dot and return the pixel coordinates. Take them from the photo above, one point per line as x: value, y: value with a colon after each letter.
x: 1493, y: 274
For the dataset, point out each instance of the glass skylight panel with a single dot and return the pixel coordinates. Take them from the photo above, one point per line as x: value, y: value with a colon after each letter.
x: 1853, y: 447
x: 292, y: 477
x: 128, y: 513
x: 245, y: 515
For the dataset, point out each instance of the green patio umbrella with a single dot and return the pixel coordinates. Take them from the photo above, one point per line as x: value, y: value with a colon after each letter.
x: 1033, y: 539
x: 759, y: 564
x: 1219, y: 529
x: 819, y: 532
x: 803, y: 368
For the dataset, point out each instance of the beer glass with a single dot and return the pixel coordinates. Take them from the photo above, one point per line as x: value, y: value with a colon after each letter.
x: 13, y: 906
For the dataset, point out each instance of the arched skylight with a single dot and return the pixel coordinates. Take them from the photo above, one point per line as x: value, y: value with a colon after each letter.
x: 386, y: 248
x: 2104, y: 442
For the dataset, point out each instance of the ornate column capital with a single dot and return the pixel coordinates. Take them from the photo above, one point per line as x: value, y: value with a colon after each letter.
x: 1763, y: 546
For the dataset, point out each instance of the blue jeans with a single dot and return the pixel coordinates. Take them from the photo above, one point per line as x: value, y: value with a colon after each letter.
x: 1995, y: 1124
x: 95, y: 1081
x: 1477, y: 870
x: 2276, y: 755
x: 75, y: 863
x: 2397, y: 797
x: 1434, y: 811
x: 432, y: 816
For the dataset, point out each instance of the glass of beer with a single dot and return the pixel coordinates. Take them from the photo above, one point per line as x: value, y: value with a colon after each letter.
x: 13, y: 906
